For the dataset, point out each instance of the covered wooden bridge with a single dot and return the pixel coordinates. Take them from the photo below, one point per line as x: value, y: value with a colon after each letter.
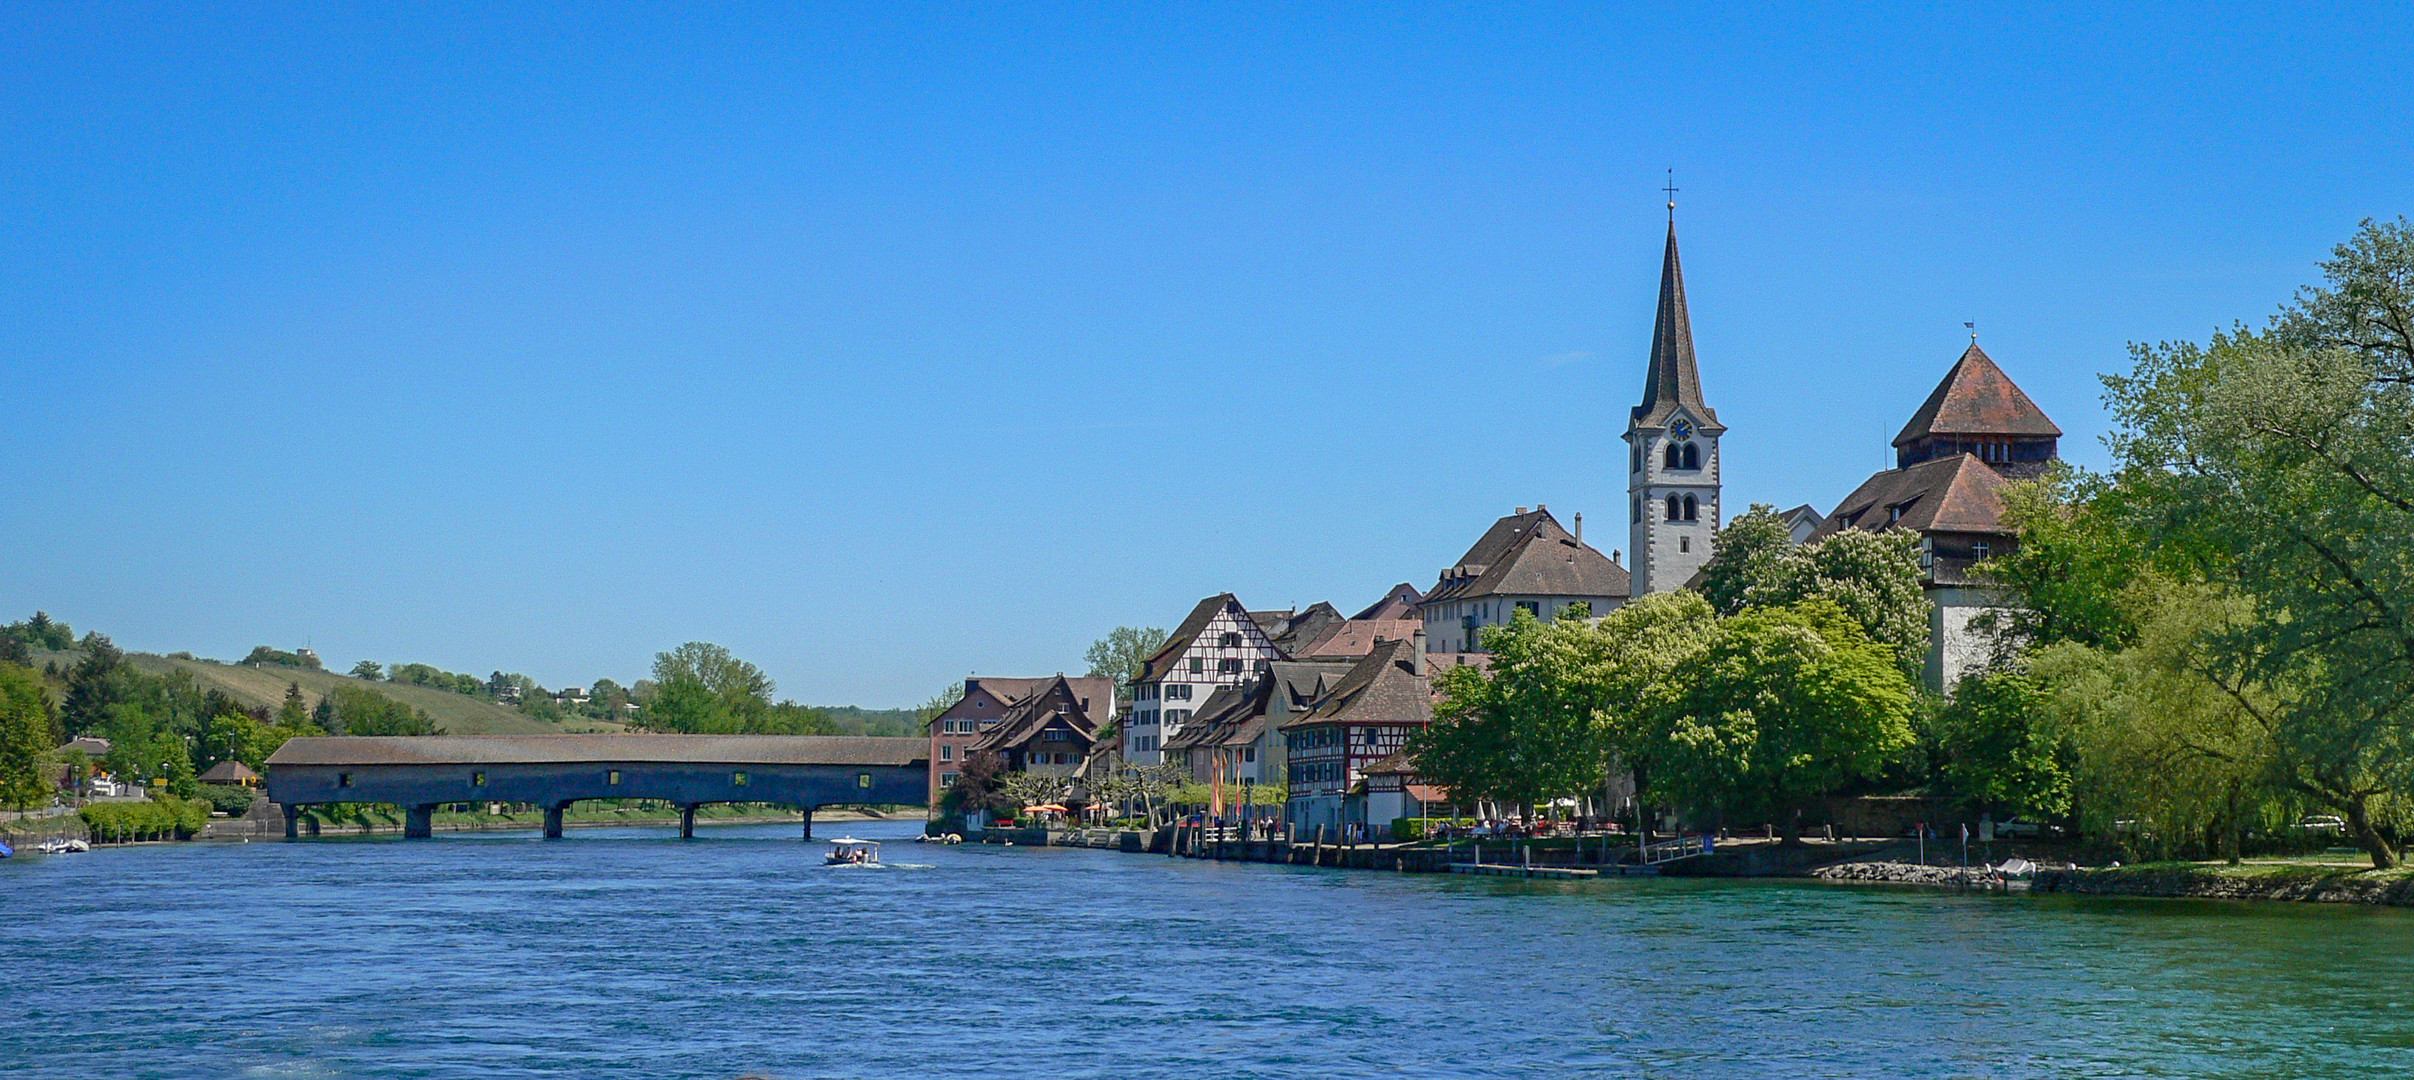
x: 422, y: 772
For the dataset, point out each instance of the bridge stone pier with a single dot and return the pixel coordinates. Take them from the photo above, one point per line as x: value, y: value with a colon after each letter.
x: 423, y: 772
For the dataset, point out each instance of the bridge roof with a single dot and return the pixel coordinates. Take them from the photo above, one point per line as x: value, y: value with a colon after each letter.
x: 568, y: 749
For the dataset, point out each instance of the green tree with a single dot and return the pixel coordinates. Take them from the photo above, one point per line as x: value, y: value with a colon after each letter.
x: 1564, y: 705
x: 2291, y: 453
x: 2170, y: 731
x: 700, y: 687
x: 1121, y: 652
x: 41, y: 632
x: 1781, y: 706
x: 1873, y: 577
x: 25, y: 738
x: 369, y: 670
x: 96, y: 685
x: 2000, y: 748
x: 295, y: 711
x: 1748, y: 562
x: 359, y: 711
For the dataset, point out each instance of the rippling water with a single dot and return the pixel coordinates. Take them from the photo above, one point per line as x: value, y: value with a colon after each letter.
x: 628, y: 953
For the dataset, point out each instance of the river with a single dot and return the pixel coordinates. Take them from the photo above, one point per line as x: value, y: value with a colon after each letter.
x: 626, y: 953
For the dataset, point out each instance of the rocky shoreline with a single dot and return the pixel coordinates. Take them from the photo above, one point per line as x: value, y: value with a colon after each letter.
x: 1897, y: 873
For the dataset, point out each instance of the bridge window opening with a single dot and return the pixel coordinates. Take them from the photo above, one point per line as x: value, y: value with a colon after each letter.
x: 477, y: 779
x: 612, y: 776
x: 863, y: 780
x: 737, y: 779
x: 343, y: 779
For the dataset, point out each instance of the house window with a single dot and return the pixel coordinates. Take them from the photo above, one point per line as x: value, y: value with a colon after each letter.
x: 1229, y: 640
x: 947, y: 752
x: 1684, y: 544
x: 948, y: 779
x: 475, y: 780
x: 737, y: 779
x: 344, y: 779
x: 611, y: 776
x: 1978, y: 551
x: 1228, y: 664
x: 1248, y: 753
x: 1894, y: 514
x: 1198, y: 664
x: 1531, y: 608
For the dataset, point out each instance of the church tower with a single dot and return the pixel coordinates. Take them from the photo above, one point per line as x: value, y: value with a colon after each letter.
x: 1671, y: 450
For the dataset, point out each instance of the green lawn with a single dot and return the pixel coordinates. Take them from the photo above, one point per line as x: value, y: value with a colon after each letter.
x: 457, y: 714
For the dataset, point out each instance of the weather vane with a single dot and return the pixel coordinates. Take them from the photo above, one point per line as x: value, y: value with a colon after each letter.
x: 1671, y: 190
x: 1973, y: 329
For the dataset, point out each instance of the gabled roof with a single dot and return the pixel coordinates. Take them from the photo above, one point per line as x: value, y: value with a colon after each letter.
x: 1531, y: 555
x: 1395, y: 764
x: 1358, y: 637
x: 1400, y: 603
x: 1099, y: 691
x: 1957, y: 494
x: 1976, y: 398
x: 1058, y: 700
x: 1297, y: 632
x: 1225, y: 706
x: 228, y: 772
x: 1674, y: 380
x: 1192, y: 626
x: 1384, y: 688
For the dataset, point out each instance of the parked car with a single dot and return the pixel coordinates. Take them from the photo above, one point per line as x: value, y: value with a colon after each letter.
x: 2024, y: 829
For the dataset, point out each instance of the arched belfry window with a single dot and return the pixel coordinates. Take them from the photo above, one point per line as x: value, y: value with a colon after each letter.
x: 1676, y: 509
x: 1636, y: 464
x: 1692, y: 512
x: 1693, y: 455
x: 1638, y: 508
x: 1674, y: 458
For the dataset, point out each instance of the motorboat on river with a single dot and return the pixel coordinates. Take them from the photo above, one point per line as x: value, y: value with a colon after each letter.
x: 848, y: 851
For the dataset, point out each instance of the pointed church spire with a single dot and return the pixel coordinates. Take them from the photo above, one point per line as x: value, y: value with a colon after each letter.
x: 1673, y: 378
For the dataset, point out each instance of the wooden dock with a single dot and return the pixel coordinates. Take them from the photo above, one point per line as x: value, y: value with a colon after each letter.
x: 1496, y: 870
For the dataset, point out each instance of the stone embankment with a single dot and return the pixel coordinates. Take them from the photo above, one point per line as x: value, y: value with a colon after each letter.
x: 1898, y: 873
x: 2311, y: 885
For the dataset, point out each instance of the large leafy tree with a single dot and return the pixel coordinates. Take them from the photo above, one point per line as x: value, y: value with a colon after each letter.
x: 1120, y: 653
x: 1564, y: 705
x: 2291, y: 452
x: 25, y: 738
x: 1873, y: 577
x: 1780, y: 706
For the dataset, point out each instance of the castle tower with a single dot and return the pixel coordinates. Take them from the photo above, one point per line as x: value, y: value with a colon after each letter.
x: 1671, y: 451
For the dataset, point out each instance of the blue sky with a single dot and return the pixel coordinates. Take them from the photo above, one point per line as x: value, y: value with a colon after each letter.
x: 888, y: 343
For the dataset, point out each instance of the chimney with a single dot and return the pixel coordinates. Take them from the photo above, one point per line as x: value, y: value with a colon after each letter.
x: 1579, y: 528
x: 1417, y: 637
x: 1521, y: 511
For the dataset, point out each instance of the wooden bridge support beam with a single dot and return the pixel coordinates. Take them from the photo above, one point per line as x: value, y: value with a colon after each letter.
x: 419, y: 822
x: 553, y: 820
x: 687, y: 821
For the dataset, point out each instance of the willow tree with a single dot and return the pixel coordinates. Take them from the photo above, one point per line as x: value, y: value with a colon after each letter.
x: 2291, y: 451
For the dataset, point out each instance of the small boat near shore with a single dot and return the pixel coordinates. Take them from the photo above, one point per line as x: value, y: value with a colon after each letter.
x: 848, y: 851
x: 63, y: 847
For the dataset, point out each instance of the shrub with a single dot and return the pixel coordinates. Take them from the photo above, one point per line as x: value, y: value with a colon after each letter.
x: 229, y: 799
x: 158, y: 819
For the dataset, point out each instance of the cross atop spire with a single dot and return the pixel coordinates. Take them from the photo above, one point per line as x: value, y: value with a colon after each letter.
x: 1673, y: 379
x: 1671, y: 190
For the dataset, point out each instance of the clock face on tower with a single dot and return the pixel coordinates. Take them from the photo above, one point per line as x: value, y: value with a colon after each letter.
x: 1682, y: 429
